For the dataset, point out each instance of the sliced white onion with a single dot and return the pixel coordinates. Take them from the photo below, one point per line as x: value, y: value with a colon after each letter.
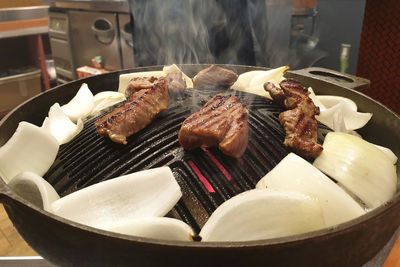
x: 262, y: 214
x: 30, y: 148
x: 337, y: 112
x: 389, y: 153
x: 329, y: 101
x: 104, y: 100
x: 295, y: 174
x: 124, y: 79
x: 80, y: 105
x: 333, y: 118
x: 258, y: 90
x: 34, y: 189
x: 358, y: 165
x: 315, y: 99
x: 155, y: 227
x: 117, y: 201
x: 356, y: 120
x: 274, y: 76
x: 245, y: 78
x: 173, y: 68
x: 253, y: 81
x: 60, y: 125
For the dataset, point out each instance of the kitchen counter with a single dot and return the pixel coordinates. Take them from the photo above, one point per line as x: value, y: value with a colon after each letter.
x: 23, y: 21
x: 121, y: 6
x: 21, y: 31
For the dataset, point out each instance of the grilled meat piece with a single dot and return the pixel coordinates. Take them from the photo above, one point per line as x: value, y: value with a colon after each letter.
x: 176, y: 83
x: 301, y: 131
x: 139, y: 83
x: 276, y: 93
x: 222, y: 121
x: 299, y: 120
x: 214, y: 76
x: 135, y: 113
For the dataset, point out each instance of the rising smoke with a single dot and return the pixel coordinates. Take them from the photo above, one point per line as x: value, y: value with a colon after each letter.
x: 246, y: 32
x: 194, y: 31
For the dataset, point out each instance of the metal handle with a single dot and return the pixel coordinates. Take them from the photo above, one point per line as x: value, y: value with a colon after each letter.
x: 338, y: 78
x: 103, y: 31
x: 127, y: 34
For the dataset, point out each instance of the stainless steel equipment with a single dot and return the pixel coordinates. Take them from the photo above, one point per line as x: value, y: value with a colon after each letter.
x: 82, y: 30
x: 60, y: 43
x: 125, y: 29
x: 95, y: 34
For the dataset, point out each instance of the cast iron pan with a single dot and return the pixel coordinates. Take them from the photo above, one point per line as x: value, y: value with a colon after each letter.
x: 64, y: 242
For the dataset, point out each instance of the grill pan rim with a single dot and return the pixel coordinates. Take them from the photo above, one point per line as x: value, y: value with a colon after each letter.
x: 314, y: 235
x: 8, y: 196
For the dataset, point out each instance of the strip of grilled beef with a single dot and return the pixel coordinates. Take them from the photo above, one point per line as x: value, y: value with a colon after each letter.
x: 214, y: 77
x: 222, y: 121
x: 139, y: 83
x: 175, y: 81
x: 135, y: 113
x: 299, y: 120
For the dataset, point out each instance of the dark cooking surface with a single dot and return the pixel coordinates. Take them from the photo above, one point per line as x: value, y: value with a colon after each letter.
x: 207, y: 177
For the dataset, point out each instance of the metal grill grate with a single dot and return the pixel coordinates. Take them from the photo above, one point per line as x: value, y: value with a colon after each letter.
x: 206, y: 176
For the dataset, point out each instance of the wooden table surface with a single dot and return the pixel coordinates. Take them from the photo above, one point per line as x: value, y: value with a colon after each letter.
x: 394, y: 256
x: 12, y: 244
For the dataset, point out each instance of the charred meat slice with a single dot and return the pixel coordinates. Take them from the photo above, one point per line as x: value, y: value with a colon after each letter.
x: 214, y: 76
x: 139, y: 83
x: 135, y: 113
x: 176, y: 83
x: 299, y: 120
x: 222, y: 121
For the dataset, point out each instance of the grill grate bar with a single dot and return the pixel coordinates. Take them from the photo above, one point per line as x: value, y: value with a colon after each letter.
x: 222, y: 187
x: 201, y: 177
x: 186, y: 216
x: 85, y: 136
x: 238, y: 174
x: 196, y: 189
x: 224, y: 171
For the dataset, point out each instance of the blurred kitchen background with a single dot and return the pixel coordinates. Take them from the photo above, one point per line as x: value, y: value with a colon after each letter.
x: 45, y: 43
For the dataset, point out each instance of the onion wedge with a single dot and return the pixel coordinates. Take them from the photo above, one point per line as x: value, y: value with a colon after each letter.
x: 104, y: 100
x: 30, y: 148
x: 340, y: 114
x: 81, y: 105
x: 333, y: 118
x: 244, y: 79
x: 156, y: 227
x: 389, y: 153
x: 60, y: 126
x: 262, y: 214
x: 173, y: 68
x: 315, y: 99
x: 359, y: 166
x: 118, y: 201
x: 253, y: 81
x: 329, y: 101
x: 295, y: 174
x: 34, y: 189
x: 124, y: 79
